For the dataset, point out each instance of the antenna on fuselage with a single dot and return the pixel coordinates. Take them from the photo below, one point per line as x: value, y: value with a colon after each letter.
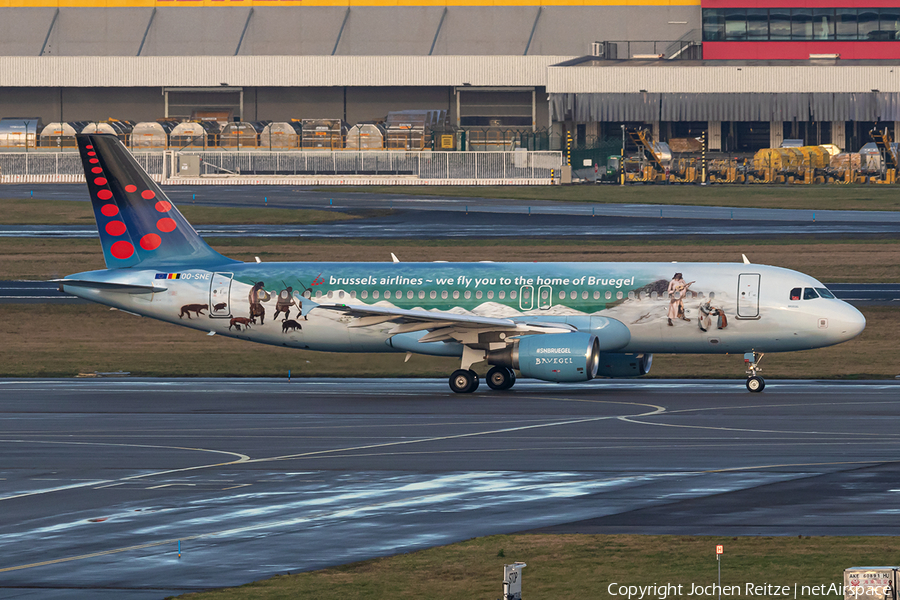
x: 746, y: 260
x: 394, y: 257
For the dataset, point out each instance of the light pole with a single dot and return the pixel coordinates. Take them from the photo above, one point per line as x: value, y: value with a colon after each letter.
x: 622, y: 159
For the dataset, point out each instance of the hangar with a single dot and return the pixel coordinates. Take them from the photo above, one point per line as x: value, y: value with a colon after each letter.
x: 748, y: 75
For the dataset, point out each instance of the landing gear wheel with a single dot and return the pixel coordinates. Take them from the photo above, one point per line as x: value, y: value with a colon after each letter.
x: 756, y: 383
x: 500, y: 378
x: 463, y: 381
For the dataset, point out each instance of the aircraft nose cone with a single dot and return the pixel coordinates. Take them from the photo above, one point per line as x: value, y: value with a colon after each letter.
x: 852, y: 323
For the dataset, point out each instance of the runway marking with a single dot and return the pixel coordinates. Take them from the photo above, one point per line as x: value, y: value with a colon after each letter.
x: 165, y: 485
x: 237, y: 486
x: 782, y: 431
x: 657, y: 410
x: 241, y: 458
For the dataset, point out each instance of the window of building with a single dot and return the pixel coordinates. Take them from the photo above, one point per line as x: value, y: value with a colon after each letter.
x: 757, y: 24
x: 845, y: 23
x: 735, y: 24
x: 823, y: 23
x: 801, y: 23
x: 780, y: 24
x: 713, y: 24
x: 889, y: 23
x: 867, y: 21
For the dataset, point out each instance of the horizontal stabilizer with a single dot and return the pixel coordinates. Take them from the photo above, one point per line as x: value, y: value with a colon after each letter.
x: 110, y: 286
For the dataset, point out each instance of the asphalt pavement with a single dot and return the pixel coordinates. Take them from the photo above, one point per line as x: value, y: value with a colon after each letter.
x: 100, y: 479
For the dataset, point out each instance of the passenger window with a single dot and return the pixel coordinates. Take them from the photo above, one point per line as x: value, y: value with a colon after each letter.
x: 501, y: 295
x: 795, y: 294
x: 353, y: 295
x: 618, y: 295
x: 631, y: 295
x: 478, y: 294
x: 584, y: 295
x: 330, y: 294
x: 468, y: 294
x: 364, y: 294
x: 490, y: 295
x: 433, y: 294
x: 712, y: 295
x: 512, y: 295
x: 421, y: 294
x: 455, y: 294
x: 809, y: 294
x: 340, y: 294
x: 409, y: 294
x: 307, y: 294
x: 562, y: 295
x: 375, y: 295
x: 444, y: 294
x: 609, y: 295
x: 825, y: 293
x: 596, y: 295
x: 573, y: 295
x: 318, y: 293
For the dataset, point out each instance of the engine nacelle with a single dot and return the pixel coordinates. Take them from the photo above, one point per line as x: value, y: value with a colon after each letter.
x: 624, y: 365
x: 552, y: 357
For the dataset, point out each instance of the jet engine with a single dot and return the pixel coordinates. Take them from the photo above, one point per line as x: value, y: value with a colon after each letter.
x: 624, y: 365
x: 560, y: 357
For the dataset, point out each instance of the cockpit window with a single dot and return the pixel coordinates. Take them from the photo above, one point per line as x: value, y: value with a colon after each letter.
x: 825, y: 293
x: 809, y: 294
x: 795, y: 293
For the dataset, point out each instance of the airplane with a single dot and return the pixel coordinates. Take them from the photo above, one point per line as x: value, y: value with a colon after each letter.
x: 559, y: 322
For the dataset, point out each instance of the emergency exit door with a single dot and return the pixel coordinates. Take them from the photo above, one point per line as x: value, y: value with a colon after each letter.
x: 748, y: 296
x: 220, y: 295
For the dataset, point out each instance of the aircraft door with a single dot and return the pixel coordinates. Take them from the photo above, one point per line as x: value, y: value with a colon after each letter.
x: 748, y: 296
x: 545, y: 297
x: 526, y: 297
x: 220, y: 295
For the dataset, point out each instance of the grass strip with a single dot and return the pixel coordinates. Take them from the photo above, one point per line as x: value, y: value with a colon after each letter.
x: 805, y: 197
x: 584, y: 566
x: 52, y: 340
x: 872, y: 261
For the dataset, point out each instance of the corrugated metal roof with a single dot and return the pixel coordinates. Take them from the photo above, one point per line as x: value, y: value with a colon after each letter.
x: 274, y: 71
x: 713, y: 77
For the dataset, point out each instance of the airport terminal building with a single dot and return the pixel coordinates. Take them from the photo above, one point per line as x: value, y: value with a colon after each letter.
x: 748, y: 72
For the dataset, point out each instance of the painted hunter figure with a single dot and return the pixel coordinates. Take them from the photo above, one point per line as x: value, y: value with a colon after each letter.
x: 677, y: 290
x: 284, y: 303
x: 257, y: 296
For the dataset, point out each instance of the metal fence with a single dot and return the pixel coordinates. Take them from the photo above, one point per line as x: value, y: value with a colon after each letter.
x: 520, y: 164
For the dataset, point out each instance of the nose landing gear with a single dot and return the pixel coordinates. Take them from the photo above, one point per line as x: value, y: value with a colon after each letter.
x: 755, y: 383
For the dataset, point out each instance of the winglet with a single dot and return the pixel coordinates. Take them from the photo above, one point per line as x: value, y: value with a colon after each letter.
x: 746, y: 260
x: 394, y: 257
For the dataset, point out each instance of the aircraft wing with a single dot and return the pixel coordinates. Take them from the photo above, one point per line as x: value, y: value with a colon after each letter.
x: 441, y: 325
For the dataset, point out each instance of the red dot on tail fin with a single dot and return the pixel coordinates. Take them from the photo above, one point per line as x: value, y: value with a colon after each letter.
x: 96, y: 170
x: 92, y: 154
x: 151, y: 241
x: 89, y: 147
x: 130, y: 188
x: 115, y: 228
x: 100, y: 180
x: 104, y: 194
x: 148, y: 194
x: 163, y: 206
x: 93, y: 161
x: 109, y: 210
x: 166, y: 225
x: 122, y: 249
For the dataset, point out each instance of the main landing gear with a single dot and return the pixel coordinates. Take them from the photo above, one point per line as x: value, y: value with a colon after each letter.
x: 755, y: 383
x: 465, y: 381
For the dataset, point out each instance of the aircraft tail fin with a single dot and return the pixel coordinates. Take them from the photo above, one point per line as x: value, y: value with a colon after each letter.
x: 137, y: 222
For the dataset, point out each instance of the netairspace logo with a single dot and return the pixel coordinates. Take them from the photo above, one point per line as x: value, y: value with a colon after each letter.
x: 768, y: 590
